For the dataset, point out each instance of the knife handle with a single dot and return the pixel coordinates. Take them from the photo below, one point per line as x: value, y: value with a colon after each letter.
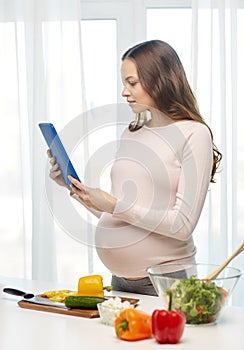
x: 18, y: 292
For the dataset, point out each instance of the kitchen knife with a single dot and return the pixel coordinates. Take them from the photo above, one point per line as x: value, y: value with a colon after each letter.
x: 31, y: 298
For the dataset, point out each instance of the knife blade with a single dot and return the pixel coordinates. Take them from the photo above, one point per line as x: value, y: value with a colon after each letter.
x: 45, y: 301
x: 31, y: 298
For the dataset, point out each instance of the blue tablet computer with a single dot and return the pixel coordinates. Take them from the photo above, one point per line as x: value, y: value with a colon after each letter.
x: 58, y: 151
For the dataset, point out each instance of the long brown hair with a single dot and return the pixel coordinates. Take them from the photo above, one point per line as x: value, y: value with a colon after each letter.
x: 163, y: 77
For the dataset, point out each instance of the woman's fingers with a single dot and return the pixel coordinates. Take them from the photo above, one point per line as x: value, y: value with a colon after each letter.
x: 49, y: 153
x: 77, y: 184
x: 54, y: 174
x: 54, y: 168
x: 81, y: 191
x: 93, y: 197
x: 52, y: 159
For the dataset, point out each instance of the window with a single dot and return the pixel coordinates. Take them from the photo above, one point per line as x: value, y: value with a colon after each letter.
x: 161, y: 25
x: 100, y: 61
x: 208, y: 38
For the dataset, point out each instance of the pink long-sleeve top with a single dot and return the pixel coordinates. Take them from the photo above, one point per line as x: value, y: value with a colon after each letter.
x: 160, y: 177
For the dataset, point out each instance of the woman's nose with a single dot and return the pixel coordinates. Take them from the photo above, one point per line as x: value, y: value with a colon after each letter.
x: 125, y: 92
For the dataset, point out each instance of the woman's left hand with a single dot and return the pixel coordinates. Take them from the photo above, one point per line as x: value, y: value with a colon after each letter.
x: 93, y: 198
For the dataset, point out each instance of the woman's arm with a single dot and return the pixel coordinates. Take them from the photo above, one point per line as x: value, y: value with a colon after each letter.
x: 179, y: 220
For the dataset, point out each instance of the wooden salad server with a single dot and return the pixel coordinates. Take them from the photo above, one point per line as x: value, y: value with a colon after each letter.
x: 220, y: 268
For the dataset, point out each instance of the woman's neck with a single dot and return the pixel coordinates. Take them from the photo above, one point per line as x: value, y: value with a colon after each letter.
x: 158, y: 119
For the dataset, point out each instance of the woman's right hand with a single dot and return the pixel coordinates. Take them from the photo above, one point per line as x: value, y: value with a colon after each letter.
x: 55, y: 172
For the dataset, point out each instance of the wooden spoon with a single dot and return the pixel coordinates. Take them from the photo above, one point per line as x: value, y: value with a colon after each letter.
x: 217, y: 271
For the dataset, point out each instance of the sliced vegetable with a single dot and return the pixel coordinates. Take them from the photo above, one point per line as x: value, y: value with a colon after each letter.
x: 201, y: 301
x: 58, y: 295
x: 83, y: 302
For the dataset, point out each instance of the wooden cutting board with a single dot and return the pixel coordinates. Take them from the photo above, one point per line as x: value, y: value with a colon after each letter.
x: 72, y: 312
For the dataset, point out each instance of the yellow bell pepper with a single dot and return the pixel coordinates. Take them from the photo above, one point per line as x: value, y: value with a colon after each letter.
x: 91, y: 286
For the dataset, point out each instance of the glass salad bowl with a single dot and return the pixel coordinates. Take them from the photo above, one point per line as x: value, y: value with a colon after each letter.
x: 201, y: 300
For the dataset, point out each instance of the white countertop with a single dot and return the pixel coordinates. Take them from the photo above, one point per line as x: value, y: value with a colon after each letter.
x: 24, y: 329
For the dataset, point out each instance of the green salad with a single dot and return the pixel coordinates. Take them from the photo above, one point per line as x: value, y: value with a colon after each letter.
x: 201, y: 301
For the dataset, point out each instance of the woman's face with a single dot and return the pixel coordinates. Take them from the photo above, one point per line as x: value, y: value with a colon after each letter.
x: 136, y: 96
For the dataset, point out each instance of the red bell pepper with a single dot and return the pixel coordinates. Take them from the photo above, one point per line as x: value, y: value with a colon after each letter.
x: 168, y: 325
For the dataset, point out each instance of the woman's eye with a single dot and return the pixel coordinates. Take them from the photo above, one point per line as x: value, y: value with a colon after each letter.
x: 132, y: 83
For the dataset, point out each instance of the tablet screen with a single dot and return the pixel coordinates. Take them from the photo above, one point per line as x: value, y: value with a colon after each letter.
x: 58, y: 151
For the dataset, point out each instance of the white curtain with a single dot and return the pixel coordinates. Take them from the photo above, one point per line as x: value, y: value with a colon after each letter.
x: 217, y: 79
x: 41, y: 80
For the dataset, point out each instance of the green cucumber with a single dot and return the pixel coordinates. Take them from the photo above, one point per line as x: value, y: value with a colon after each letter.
x: 82, y: 302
